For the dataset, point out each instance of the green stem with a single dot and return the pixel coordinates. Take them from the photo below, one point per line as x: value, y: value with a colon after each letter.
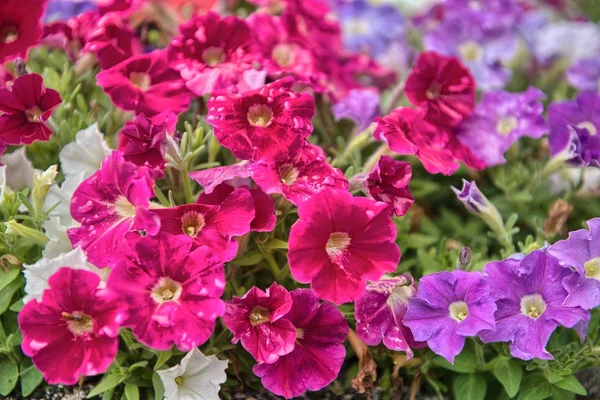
x: 374, y: 158
x: 358, y: 142
x: 187, y: 188
x: 479, y: 355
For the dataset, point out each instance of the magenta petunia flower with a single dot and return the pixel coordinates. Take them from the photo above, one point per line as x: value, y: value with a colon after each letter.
x: 210, y: 178
x: 380, y: 310
x: 501, y: 119
x: 300, y: 177
x: 270, y: 123
x: 109, y: 204
x: 26, y: 104
x: 112, y: 41
x: 256, y: 320
x: 172, y: 292
x: 73, y: 331
x: 20, y: 27
x: 581, y: 251
x: 340, y: 242
x: 319, y: 353
x: 531, y: 303
x: 408, y: 132
x: 210, y: 53
x: 388, y: 182
x: 146, y: 84
x: 449, y: 307
x: 143, y: 141
x: 264, y: 208
x: 71, y: 35
x: 443, y: 87
x: 213, y: 226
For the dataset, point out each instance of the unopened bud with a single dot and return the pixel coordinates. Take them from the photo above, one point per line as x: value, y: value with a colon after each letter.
x: 464, y: 258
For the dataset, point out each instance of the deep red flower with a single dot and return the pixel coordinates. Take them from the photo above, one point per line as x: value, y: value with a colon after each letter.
x: 142, y: 141
x: 210, y: 53
x: 113, y: 41
x: 20, y: 27
x: 443, y: 87
x: 26, y: 105
x: 145, y: 84
x: 408, y: 132
x: 270, y: 123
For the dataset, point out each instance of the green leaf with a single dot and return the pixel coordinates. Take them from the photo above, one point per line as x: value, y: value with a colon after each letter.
x: 469, y: 387
x: 509, y: 373
x: 277, y: 244
x: 535, y: 387
x: 571, y: 384
x: 163, y: 357
x: 159, y: 389
x: 7, y: 277
x: 17, y: 306
x: 9, y: 375
x: 132, y: 392
x: 107, y: 383
x: 251, y: 258
x: 7, y: 293
x: 31, y: 377
x: 464, y: 363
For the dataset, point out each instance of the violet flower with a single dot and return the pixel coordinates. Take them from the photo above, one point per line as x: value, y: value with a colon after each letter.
x: 448, y: 307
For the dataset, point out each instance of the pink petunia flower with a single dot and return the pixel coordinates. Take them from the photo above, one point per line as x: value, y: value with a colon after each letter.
x: 380, y: 310
x: 256, y: 320
x: 20, y: 27
x: 143, y: 141
x: 172, y: 292
x: 210, y: 53
x: 73, y: 331
x: 26, y: 105
x: 300, y: 177
x: 112, y: 41
x: 71, y: 35
x: 146, y: 84
x: 264, y: 208
x: 340, y: 242
x: 387, y: 181
x: 319, y: 353
x: 443, y: 87
x: 214, y: 226
x: 109, y: 204
x: 408, y: 132
x: 210, y: 178
x: 270, y: 123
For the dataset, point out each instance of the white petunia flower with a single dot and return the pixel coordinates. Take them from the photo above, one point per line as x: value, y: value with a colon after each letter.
x: 18, y: 172
x: 37, y: 275
x: 63, y: 195
x: 85, y: 154
x: 197, y: 377
x: 58, y: 241
x: 571, y: 40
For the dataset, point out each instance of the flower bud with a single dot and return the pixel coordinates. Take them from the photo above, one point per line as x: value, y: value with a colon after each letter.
x: 464, y: 258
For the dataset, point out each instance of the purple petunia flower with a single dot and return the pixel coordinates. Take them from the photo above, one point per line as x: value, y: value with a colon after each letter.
x: 530, y: 298
x: 574, y: 126
x: 499, y: 120
x: 380, y: 310
x: 584, y: 74
x: 483, y: 50
x: 581, y: 251
x: 370, y: 28
x: 449, y: 307
x: 62, y: 10
x: 360, y: 106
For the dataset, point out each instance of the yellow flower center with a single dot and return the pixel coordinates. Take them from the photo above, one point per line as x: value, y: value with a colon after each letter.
x: 166, y: 289
x: 533, y: 305
x: 592, y: 268
x: 34, y: 114
x: 259, y: 315
x: 179, y: 380
x: 124, y: 208
x: 459, y: 311
x: 192, y: 223
x: 9, y: 34
x: 337, y: 244
x: 141, y: 80
x: 434, y: 91
x: 470, y: 51
x: 506, y: 125
x: 288, y: 174
x: 213, y: 56
x: 283, y: 55
x: 260, y: 115
x: 79, y: 323
x: 356, y: 26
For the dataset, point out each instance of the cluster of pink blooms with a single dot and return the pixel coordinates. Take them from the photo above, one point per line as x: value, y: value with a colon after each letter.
x: 261, y: 76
